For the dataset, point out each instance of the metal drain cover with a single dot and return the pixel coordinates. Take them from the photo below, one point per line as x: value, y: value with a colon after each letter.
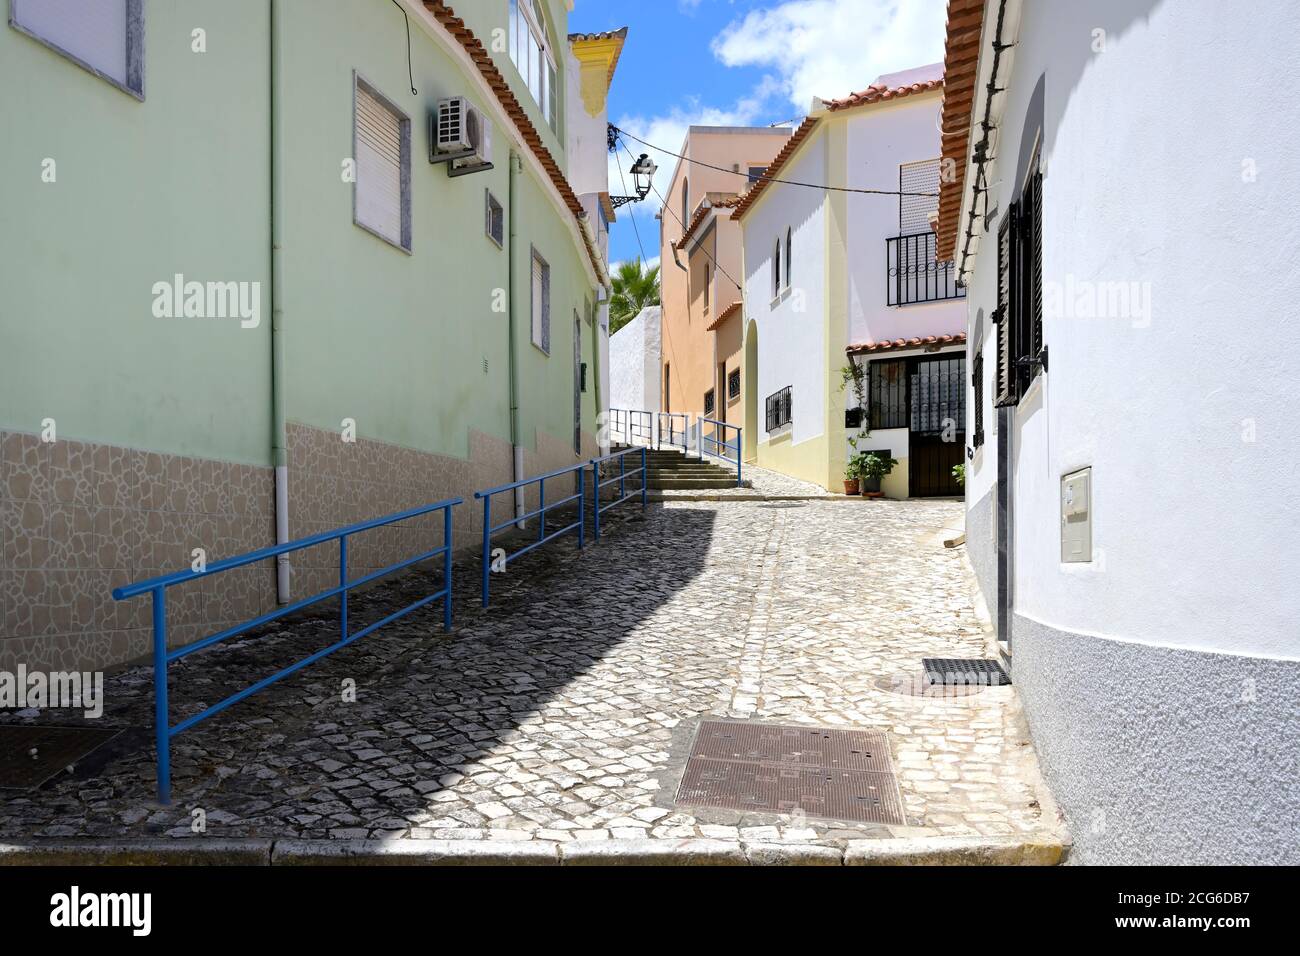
x: 30, y: 754
x: 954, y: 671
x: 823, y: 772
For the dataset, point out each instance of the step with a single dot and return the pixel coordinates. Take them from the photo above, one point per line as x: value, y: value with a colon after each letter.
x: 670, y: 484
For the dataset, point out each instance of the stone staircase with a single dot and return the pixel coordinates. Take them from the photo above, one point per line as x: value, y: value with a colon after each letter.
x: 670, y: 469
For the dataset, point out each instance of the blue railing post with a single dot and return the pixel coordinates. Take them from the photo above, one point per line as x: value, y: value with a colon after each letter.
x: 446, y: 571
x: 622, y: 476
x: 739, y: 432
x: 595, y: 496
x: 343, y: 583
x: 487, y: 546
x: 162, y: 723
x: 645, y: 479
x: 582, y: 508
x: 541, y: 506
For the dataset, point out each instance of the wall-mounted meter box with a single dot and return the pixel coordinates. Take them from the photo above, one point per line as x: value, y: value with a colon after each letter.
x: 1076, y: 516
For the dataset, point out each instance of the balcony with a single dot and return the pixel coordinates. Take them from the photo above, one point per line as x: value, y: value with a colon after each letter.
x: 912, y: 275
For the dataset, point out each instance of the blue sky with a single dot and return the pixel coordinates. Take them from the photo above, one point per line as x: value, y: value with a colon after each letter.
x: 743, y: 62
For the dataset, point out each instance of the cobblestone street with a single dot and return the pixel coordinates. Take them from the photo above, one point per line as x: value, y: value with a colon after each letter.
x: 563, y: 712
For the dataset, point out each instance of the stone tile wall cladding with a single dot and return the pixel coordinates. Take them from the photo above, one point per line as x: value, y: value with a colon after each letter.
x: 78, y: 519
x: 81, y: 518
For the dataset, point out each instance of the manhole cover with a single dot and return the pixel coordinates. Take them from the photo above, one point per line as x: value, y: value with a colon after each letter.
x: 31, y: 754
x: 822, y: 772
x: 957, y: 672
x: 801, y: 746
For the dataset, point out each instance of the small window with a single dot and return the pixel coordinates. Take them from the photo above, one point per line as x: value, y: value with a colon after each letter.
x: 686, y: 203
x: 733, y: 384
x: 708, y: 290
x: 541, y: 303
x: 756, y: 173
x: 708, y: 402
x: 789, y: 235
x: 776, y: 270
x: 496, y: 220
x: 105, y: 37
x: 780, y: 409
x: 381, y: 144
x: 887, y: 393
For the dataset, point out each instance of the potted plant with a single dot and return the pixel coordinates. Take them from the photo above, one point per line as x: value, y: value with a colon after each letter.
x: 873, y: 468
x: 959, y: 472
x: 851, y: 475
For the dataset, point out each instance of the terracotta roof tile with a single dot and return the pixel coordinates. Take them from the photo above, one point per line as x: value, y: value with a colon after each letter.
x: 960, y: 64
x: 783, y: 157
x: 890, y: 345
x: 725, y: 314
x: 454, y: 25
x: 702, y: 213
x: 880, y: 93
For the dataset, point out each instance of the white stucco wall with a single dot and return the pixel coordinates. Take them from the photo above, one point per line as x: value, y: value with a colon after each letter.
x: 1153, y: 676
x: 791, y: 328
x: 634, y: 354
x: 879, y: 139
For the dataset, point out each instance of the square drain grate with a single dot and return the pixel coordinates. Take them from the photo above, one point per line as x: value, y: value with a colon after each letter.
x: 32, y: 754
x: 955, y: 672
x: 767, y: 768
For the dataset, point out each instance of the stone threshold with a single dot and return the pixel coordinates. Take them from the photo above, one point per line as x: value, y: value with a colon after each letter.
x: 904, y: 851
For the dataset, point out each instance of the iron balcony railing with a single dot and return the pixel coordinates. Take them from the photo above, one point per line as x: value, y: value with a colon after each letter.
x: 912, y: 275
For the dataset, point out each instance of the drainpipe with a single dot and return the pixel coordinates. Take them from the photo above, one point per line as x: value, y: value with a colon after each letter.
x: 279, y: 437
x: 516, y: 449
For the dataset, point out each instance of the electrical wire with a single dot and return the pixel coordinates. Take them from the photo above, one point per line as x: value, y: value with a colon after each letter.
x: 772, y: 179
x: 410, y: 75
x: 664, y: 203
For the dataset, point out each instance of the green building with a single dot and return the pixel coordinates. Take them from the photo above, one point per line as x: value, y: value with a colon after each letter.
x: 247, y: 296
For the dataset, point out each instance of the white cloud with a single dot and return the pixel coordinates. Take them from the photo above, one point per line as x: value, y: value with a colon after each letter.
x: 830, y: 48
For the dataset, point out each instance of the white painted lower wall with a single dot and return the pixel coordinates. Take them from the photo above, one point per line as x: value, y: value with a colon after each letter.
x: 634, y: 356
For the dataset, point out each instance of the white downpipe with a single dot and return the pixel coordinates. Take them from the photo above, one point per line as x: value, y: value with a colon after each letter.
x: 282, y: 567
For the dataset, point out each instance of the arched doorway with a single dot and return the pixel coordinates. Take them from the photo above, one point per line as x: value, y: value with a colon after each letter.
x: 751, y: 391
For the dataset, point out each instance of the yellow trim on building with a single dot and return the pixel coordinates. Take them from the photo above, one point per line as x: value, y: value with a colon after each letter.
x: 597, y: 59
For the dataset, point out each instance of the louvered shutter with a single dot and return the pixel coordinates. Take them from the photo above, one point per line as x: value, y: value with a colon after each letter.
x: 379, y: 167
x: 95, y: 33
x: 977, y: 384
x: 538, y: 301
x: 1004, y: 384
x: 1035, y: 238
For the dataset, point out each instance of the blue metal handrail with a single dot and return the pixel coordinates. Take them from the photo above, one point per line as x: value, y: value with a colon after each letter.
x: 621, y: 478
x: 157, y: 587
x: 669, y: 418
x: 632, y: 423
x: 719, y: 447
x: 542, y: 537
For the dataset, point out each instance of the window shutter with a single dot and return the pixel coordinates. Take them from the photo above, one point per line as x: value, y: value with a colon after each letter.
x: 537, y: 301
x: 552, y: 94
x: 1005, y: 384
x: 977, y: 383
x: 546, y: 308
x: 379, y: 167
x: 1036, y: 266
x: 95, y: 33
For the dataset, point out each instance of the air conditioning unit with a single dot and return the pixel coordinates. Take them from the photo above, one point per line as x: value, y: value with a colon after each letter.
x: 460, y: 136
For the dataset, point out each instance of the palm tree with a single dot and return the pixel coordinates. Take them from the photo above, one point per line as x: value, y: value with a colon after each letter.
x: 634, y: 289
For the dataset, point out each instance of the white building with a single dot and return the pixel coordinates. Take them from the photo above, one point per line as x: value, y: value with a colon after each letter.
x: 843, y: 285
x: 589, y: 71
x: 1124, y: 215
x: 634, y: 357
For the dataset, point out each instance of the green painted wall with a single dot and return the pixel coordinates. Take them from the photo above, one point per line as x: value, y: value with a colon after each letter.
x: 399, y: 342
x: 180, y: 183
x: 177, y: 183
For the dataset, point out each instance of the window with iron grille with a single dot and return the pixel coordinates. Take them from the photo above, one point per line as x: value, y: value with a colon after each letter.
x: 496, y: 220
x: 733, y: 383
x: 779, y: 409
x: 887, y: 393
x: 708, y: 402
x: 1019, y: 315
x: 977, y: 385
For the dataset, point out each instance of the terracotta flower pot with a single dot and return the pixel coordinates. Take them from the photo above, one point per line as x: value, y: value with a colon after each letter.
x: 850, y: 486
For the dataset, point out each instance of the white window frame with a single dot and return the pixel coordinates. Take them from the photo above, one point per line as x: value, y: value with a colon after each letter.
x: 526, y: 16
x: 540, y: 312
x: 403, y: 241
x: 133, y: 83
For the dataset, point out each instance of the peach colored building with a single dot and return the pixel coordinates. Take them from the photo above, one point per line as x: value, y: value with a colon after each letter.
x: 701, y: 270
